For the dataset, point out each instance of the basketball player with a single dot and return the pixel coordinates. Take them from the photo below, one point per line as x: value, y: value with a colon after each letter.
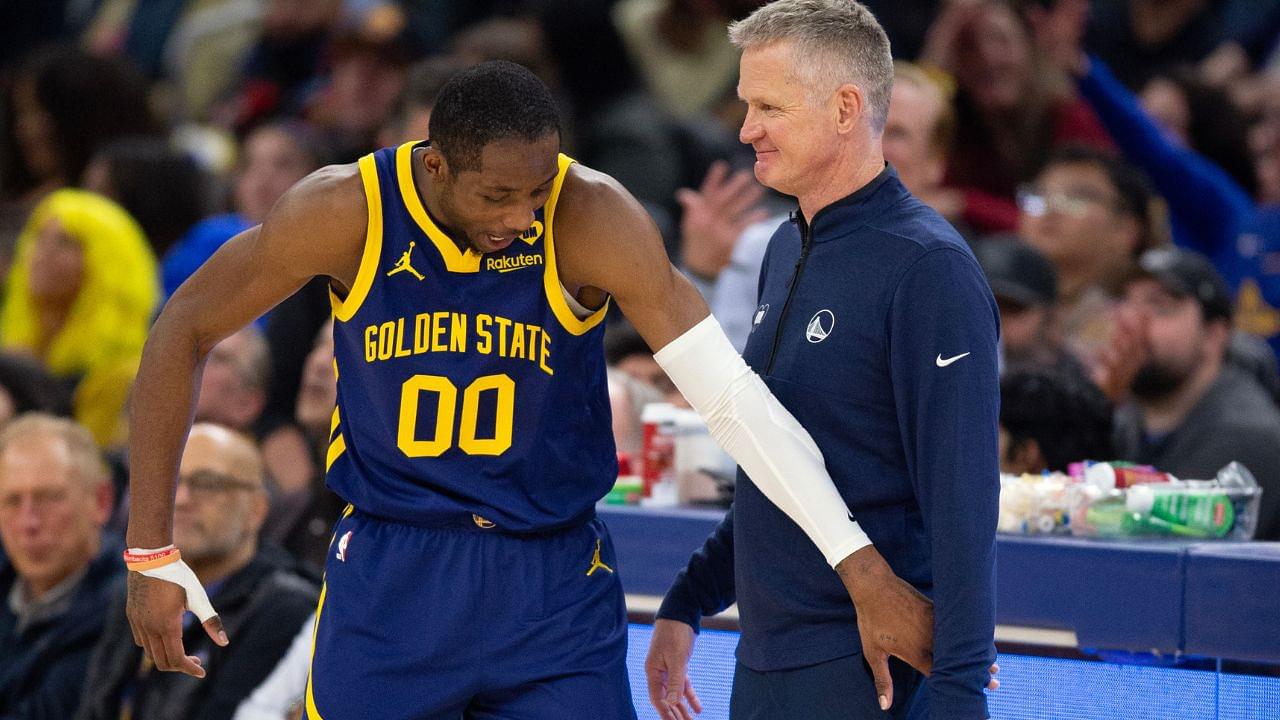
x: 470, y: 577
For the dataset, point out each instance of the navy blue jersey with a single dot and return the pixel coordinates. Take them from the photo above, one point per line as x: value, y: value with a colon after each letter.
x: 468, y: 390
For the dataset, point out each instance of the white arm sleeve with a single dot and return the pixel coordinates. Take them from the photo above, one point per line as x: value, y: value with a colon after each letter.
x: 766, y: 440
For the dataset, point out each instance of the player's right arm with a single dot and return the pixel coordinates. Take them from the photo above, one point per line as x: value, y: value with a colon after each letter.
x: 317, y: 228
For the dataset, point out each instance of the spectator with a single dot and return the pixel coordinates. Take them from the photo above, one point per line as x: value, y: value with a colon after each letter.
x: 63, y: 107
x: 79, y: 299
x: 275, y: 157
x: 1201, y: 118
x: 1010, y: 111
x: 627, y: 352
x: 25, y: 386
x: 1190, y: 413
x: 408, y: 121
x: 1050, y: 418
x: 1025, y: 286
x: 368, y: 62
x: 617, y: 128
x: 682, y: 49
x: 54, y: 500
x: 917, y: 141
x: 1088, y: 212
x: 220, y: 509
x: 627, y: 398
x: 1143, y: 37
x: 164, y: 190
x: 281, y: 67
x: 233, y: 387
x: 303, y: 515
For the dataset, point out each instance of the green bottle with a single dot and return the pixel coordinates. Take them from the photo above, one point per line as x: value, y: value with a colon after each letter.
x: 1188, y: 513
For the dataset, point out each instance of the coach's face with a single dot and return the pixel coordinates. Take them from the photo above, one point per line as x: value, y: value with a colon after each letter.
x: 792, y: 137
x: 492, y: 205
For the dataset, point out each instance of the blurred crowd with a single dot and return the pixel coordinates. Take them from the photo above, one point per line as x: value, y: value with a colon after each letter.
x: 1115, y: 165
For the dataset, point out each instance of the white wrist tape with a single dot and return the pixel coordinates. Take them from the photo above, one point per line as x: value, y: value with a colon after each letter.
x: 767, y: 441
x: 179, y: 574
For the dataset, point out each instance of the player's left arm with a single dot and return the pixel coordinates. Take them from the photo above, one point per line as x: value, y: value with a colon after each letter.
x: 605, y: 241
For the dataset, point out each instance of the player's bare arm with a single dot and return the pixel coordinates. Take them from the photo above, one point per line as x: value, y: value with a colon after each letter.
x: 317, y: 228
x: 606, y: 242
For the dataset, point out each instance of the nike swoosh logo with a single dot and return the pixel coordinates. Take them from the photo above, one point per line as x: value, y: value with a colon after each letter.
x: 948, y: 361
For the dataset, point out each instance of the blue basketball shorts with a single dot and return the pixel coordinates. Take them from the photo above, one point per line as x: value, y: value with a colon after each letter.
x: 445, y: 623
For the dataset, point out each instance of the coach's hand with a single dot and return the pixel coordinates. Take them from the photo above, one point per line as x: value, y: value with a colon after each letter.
x: 893, y: 618
x: 666, y: 668
x: 155, y: 608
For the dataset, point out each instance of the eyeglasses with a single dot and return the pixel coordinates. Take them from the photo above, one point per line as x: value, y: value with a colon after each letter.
x: 207, y: 483
x: 1034, y: 201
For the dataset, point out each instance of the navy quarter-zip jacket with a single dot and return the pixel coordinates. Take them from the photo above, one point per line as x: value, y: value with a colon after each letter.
x: 877, y: 330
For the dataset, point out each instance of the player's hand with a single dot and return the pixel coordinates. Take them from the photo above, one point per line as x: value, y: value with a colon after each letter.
x: 893, y: 618
x: 666, y: 668
x: 155, y: 608
x: 992, y: 682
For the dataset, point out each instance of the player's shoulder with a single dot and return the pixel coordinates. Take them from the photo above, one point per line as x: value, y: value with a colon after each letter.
x: 589, y: 197
x: 329, y: 200
x: 340, y: 184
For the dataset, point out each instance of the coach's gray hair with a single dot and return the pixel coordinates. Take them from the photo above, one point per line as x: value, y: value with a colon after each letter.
x: 835, y: 42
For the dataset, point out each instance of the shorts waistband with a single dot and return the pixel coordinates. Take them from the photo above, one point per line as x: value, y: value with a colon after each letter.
x: 472, y: 522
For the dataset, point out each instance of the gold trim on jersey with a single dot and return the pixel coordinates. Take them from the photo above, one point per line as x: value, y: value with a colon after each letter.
x: 312, y: 712
x: 455, y: 260
x: 344, y: 310
x: 551, y: 277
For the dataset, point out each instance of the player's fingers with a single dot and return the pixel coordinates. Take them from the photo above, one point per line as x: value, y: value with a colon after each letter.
x: 879, y: 662
x: 993, y: 684
x: 213, y: 626
x: 147, y: 650
x: 692, y: 696
x: 994, y: 669
x: 176, y: 658
x: 137, y: 635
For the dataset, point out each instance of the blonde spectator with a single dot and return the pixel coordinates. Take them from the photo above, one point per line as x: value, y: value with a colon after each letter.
x: 79, y: 298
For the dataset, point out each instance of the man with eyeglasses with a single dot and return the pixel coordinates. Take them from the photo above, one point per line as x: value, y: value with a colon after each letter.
x: 1087, y: 211
x: 220, y: 506
x: 55, y: 498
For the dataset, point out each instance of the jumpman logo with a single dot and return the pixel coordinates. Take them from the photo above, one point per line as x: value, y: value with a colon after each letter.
x: 404, y: 264
x: 595, y: 561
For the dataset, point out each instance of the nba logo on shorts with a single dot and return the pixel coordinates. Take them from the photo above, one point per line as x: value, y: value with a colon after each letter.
x: 342, y: 546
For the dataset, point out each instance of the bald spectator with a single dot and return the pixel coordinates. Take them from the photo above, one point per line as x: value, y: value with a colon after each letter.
x: 220, y: 507
x: 54, y: 500
x: 233, y: 388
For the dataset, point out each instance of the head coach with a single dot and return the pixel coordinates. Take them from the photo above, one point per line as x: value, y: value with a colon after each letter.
x: 877, y: 329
